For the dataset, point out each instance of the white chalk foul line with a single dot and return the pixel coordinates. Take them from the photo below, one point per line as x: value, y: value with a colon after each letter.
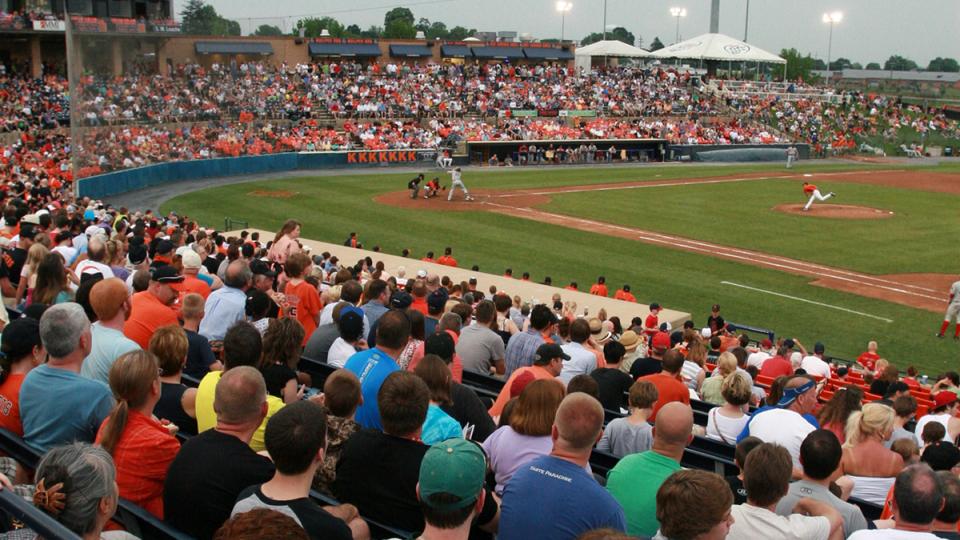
x: 806, y: 301
x: 729, y: 253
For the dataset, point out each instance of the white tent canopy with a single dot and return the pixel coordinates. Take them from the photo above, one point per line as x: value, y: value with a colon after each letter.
x: 612, y: 48
x: 717, y: 47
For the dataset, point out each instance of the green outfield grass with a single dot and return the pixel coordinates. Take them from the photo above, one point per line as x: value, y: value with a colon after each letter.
x: 740, y: 214
x: 331, y: 207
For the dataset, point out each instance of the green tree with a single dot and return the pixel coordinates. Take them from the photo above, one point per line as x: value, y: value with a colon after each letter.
x: 399, y: 29
x: 374, y: 32
x: 399, y: 14
x: 798, y: 66
x: 656, y: 44
x: 268, y: 30
x: 314, y: 26
x: 873, y: 65
x: 199, y: 18
x: 819, y: 64
x: 459, y: 33
x: 352, y: 31
x: 437, y: 30
x: 899, y: 63
x: 619, y: 34
x: 856, y: 65
x: 944, y: 64
x: 423, y: 24
x: 840, y: 64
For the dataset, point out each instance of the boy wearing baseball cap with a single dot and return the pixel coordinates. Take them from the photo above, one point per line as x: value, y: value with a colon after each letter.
x: 450, y: 489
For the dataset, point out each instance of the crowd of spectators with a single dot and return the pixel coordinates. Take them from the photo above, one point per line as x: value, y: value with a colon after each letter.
x: 230, y: 110
x: 391, y: 436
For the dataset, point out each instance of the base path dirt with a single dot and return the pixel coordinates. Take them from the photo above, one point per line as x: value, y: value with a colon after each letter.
x: 922, y: 291
x: 834, y: 211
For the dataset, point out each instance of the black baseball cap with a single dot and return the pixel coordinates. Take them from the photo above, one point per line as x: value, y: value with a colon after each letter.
x: 941, y: 456
x: 261, y: 268
x: 440, y: 345
x: 401, y: 300
x: 20, y: 337
x: 165, y: 274
x: 550, y: 351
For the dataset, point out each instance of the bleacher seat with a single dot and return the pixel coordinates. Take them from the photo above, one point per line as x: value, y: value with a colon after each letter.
x: 39, y: 522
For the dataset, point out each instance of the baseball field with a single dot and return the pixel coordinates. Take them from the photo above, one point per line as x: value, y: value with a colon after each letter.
x: 875, y: 262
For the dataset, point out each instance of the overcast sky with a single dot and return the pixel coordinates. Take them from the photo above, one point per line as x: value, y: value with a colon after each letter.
x: 871, y: 30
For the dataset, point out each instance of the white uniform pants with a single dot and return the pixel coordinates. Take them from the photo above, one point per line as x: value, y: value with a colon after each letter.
x: 953, y: 312
x: 457, y: 184
x: 816, y: 197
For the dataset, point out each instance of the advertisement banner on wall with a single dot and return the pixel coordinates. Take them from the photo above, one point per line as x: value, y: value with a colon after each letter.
x: 50, y: 26
x: 519, y: 113
x: 391, y: 156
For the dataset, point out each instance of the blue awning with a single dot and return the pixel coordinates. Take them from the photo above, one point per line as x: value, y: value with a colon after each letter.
x: 498, y: 52
x: 410, y: 50
x: 547, y: 54
x: 454, y: 51
x: 344, y: 49
x: 233, y: 47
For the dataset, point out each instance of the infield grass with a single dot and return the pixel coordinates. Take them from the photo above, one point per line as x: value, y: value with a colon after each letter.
x: 332, y: 206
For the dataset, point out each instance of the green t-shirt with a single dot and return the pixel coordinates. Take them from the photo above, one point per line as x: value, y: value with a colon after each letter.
x: 634, y: 483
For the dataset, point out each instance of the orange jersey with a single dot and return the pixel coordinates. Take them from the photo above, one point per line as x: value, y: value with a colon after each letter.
x: 809, y: 189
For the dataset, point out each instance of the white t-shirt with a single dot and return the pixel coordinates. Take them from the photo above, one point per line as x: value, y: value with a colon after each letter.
x: 814, y: 365
x: 891, y: 534
x: 943, y: 418
x: 784, y: 427
x: 752, y: 522
x: 723, y: 428
x: 757, y: 359
x: 339, y: 352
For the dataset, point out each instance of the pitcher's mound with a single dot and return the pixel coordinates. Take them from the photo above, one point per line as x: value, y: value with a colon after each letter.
x: 835, y: 211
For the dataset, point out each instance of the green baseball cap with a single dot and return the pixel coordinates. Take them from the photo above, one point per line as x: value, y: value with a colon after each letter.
x: 456, y: 467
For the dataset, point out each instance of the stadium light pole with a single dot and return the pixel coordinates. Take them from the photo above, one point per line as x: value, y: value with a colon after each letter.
x: 831, y: 19
x: 746, y: 23
x: 563, y: 7
x: 604, y: 20
x: 678, y: 13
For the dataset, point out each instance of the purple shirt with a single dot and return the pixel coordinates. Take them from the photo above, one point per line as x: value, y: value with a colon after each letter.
x: 508, y: 450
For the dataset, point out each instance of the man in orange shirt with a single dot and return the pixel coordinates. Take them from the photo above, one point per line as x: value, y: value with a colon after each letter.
x: 669, y: 385
x: 547, y: 364
x: 600, y: 287
x: 191, y: 283
x: 624, y: 294
x: 447, y: 258
x: 152, y: 308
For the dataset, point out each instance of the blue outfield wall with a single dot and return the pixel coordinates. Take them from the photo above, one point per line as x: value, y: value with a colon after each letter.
x: 114, y: 183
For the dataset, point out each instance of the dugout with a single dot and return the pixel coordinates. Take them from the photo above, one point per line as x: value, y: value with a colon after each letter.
x: 632, y: 150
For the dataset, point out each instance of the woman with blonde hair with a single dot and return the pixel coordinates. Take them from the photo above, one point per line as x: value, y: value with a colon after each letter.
x: 710, y: 389
x: 865, y: 458
x: 726, y: 422
x: 177, y: 403
x: 528, y: 434
x: 142, y: 447
x: 693, y: 371
x: 28, y: 274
